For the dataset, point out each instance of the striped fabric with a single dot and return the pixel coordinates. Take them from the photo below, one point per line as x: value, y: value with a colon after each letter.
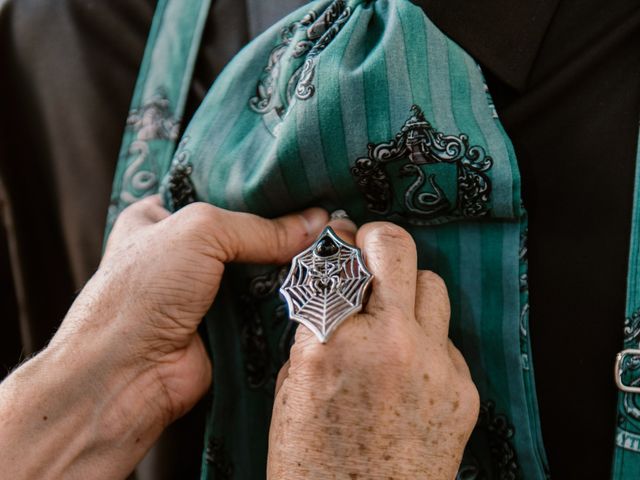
x: 365, y: 106
x: 626, y: 459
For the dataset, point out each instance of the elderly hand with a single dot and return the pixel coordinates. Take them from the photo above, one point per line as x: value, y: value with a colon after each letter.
x: 127, y: 360
x: 388, y: 396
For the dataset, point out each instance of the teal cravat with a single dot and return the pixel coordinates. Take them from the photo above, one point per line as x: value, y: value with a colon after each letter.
x: 360, y: 105
x: 626, y: 463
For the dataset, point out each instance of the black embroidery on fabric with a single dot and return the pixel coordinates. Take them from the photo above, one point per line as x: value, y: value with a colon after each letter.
x: 632, y: 330
x: 180, y: 185
x: 333, y: 20
x: 218, y: 459
x: 630, y: 369
x: 260, y: 368
x: 470, y: 469
x: 524, y: 296
x: 319, y: 31
x: 421, y: 147
x: 253, y: 339
x: 500, y: 434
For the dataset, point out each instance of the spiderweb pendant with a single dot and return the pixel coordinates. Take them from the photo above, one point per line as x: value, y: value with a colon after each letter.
x: 326, y: 284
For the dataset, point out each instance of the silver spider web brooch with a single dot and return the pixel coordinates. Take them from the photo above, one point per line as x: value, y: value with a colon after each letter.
x: 326, y: 284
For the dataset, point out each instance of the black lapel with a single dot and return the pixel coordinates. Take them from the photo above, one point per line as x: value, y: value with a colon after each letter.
x: 502, y: 35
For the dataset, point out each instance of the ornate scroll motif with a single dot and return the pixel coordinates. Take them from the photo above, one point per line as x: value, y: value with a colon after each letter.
x: 421, y: 148
x: 470, y: 469
x: 629, y: 421
x: 336, y: 16
x: 317, y: 33
x: 179, y: 186
x: 218, y: 459
x: 524, y: 300
x: 500, y: 432
x: 259, y: 365
x: 152, y: 121
x: 632, y: 330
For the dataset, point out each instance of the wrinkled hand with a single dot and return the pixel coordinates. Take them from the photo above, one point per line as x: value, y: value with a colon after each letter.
x: 388, y: 396
x: 160, y: 274
x: 127, y: 359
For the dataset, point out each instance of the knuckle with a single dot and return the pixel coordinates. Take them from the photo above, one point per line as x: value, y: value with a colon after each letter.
x: 389, y: 233
x: 310, y: 359
x: 280, y: 236
x: 470, y: 402
x: 396, y: 349
x: 432, y: 281
x: 454, y: 352
x: 205, y: 227
x: 432, y: 285
x: 199, y: 214
x: 131, y: 211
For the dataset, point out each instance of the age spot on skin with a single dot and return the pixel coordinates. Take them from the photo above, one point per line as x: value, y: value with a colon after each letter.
x: 425, y: 377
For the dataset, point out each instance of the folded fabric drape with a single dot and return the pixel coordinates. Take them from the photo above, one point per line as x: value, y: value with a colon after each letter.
x: 365, y: 106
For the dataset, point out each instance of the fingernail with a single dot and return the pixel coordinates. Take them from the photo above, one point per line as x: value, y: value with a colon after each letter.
x: 340, y: 220
x: 344, y: 225
x: 338, y: 214
x: 315, y: 219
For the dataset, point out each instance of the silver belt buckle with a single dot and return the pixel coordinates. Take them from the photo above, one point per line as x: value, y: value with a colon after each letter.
x: 619, y: 370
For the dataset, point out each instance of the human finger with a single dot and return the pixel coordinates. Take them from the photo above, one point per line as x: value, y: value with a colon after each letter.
x: 243, y: 237
x: 144, y: 212
x: 282, y: 375
x: 458, y: 360
x: 136, y: 216
x: 390, y: 255
x: 344, y: 227
x: 432, y: 306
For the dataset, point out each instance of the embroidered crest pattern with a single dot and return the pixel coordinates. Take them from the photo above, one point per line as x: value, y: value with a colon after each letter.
x: 317, y: 32
x: 499, y: 432
x: 524, y: 299
x: 447, y: 177
x: 179, y: 190
x: 152, y: 121
x: 261, y: 366
x: 218, y: 459
x: 628, y: 434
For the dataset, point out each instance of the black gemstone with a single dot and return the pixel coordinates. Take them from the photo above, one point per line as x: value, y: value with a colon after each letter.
x: 326, y: 247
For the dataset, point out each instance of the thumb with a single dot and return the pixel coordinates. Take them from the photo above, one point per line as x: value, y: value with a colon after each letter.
x: 140, y: 214
x: 147, y: 211
x: 243, y: 237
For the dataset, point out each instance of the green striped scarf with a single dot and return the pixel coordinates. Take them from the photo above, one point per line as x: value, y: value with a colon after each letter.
x: 365, y: 106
